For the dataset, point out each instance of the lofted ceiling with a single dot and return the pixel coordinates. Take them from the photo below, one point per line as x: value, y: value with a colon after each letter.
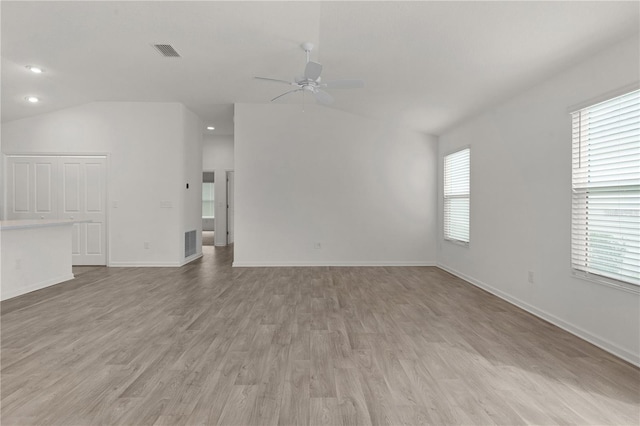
x: 426, y: 65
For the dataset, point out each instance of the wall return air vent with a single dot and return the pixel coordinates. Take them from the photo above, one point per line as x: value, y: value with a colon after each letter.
x: 167, y: 50
x: 189, y: 243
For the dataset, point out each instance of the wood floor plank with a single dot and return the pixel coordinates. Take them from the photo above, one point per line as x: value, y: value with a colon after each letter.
x: 324, y: 412
x: 322, y: 384
x: 215, y: 392
x: 209, y: 344
x: 351, y: 401
x: 295, y: 403
x: 238, y: 408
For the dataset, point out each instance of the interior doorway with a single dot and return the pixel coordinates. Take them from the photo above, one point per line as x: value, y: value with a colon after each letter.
x: 208, y: 208
x: 217, y: 207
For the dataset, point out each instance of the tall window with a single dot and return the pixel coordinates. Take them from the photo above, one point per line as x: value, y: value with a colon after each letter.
x: 208, y: 206
x: 456, y: 196
x: 605, y: 228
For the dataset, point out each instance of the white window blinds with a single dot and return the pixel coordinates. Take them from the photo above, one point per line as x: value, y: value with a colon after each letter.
x: 456, y: 196
x: 605, y: 228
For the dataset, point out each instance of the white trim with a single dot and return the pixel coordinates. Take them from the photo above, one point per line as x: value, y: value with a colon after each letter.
x: 36, y: 286
x: 275, y: 263
x: 159, y: 264
x: 4, y: 189
x: 457, y: 242
x: 143, y: 264
x: 602, y: 280
x: 598, y: 341
x: 57, y: 154
x: 604, y: 96
x: 457, y: 149
x: 191, y: 258
x: 9, y: 225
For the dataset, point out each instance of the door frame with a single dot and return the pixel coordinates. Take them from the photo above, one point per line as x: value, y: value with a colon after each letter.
x: 106, y: 155
x: 226, y: 176
x: 215, y: 173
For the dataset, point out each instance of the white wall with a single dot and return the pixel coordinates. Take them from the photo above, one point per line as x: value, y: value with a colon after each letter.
x: 27, y: 264
x: 217, y: 152
x: 217, y: 156
x: 145, y: 143
x: 521, y: 205
x: 192, y: 175
x: 365, y: 190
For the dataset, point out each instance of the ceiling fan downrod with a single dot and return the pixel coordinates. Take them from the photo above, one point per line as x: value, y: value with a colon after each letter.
x: 307, y: 47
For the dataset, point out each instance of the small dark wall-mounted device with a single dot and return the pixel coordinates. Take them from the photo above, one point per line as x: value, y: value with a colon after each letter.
x: 187, y: 186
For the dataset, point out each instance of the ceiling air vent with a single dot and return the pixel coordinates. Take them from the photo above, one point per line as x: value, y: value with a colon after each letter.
x: 167, y: 50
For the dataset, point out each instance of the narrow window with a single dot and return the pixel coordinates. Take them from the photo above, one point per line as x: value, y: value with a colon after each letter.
x: 605, y: 221
x: 456, y: 196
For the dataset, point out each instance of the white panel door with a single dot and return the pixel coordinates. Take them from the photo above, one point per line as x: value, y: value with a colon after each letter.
x: 83, y: 197
x: 31, y: 187
x: 57, y: 187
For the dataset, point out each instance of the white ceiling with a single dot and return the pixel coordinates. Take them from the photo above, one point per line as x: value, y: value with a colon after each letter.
x: 427, y: 65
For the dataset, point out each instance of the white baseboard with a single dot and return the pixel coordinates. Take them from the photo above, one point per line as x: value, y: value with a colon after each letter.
x: 598, y: 341
x: 260, y: 264
x: 191, y: 258
x: 135, y: 264
x: 5, y: 295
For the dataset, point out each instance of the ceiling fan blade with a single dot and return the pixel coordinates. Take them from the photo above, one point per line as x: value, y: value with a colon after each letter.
x: 343, y: 84
x: 285, y: 93
x: 274, y: 79
x: 323, y: 97
x: 312, y: 71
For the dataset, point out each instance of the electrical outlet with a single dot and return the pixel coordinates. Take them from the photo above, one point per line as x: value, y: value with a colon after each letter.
x: 146, y: 245
x: 530, y: 277
x: 317, y: 246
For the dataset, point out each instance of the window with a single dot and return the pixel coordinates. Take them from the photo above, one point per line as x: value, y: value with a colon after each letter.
x: 208, y: 205
x: 456, y: 196
x: 605, y: 221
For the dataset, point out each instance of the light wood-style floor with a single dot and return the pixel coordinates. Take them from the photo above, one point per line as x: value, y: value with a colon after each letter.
x: 208, y: 238
x: 208, y: 344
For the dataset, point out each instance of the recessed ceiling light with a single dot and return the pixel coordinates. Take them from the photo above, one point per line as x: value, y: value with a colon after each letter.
x: 210, y: 128
x: 36, y: 70
x: 32, y: 99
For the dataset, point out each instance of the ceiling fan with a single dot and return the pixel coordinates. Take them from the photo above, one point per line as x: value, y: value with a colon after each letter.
x: 311, y: 81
